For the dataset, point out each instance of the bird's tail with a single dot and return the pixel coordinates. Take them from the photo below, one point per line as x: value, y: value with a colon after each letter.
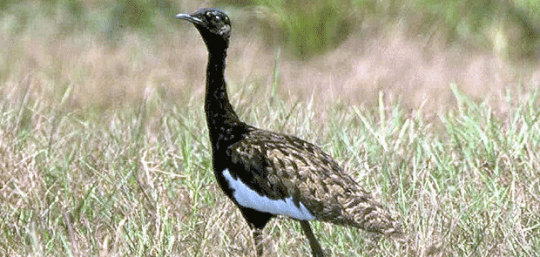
x: 364, y: 212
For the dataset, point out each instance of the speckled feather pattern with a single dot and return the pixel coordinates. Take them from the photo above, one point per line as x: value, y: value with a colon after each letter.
x: 281, y: 166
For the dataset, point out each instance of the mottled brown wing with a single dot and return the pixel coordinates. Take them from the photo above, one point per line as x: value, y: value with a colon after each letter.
x: 281, y: 166
x: 287, y: 166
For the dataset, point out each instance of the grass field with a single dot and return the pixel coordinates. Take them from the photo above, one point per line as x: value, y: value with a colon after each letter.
x: 104, y: 148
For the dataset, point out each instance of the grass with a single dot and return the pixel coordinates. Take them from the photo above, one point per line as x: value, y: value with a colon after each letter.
x: 104, y: 151
x: 138, y: 180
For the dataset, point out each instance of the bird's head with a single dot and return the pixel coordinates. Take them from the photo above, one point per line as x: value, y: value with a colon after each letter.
x: 214, y: 25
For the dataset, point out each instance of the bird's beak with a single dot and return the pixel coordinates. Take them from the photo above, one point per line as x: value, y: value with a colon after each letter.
x: 188, y: 17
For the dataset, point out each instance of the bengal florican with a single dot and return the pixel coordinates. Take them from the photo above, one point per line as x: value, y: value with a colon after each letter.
x: 266, y: 173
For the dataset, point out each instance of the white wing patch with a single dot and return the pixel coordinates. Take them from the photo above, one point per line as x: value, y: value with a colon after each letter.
x: 248, y: 198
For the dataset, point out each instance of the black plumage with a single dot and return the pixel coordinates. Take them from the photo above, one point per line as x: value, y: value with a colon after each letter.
x: 266, y: 173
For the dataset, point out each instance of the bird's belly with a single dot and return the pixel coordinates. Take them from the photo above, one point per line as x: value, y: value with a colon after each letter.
x: 249, y: 198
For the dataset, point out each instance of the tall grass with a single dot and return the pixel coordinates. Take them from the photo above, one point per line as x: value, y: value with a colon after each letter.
x: 138, y: 180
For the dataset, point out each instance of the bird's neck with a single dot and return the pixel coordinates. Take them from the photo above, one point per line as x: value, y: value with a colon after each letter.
x: 220, y: 114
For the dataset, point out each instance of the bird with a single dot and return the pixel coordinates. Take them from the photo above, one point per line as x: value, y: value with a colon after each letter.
x: 267, y: 174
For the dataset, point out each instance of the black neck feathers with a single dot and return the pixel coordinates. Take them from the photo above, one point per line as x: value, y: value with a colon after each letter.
x: 217, y: 105
x: 223, y: 123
